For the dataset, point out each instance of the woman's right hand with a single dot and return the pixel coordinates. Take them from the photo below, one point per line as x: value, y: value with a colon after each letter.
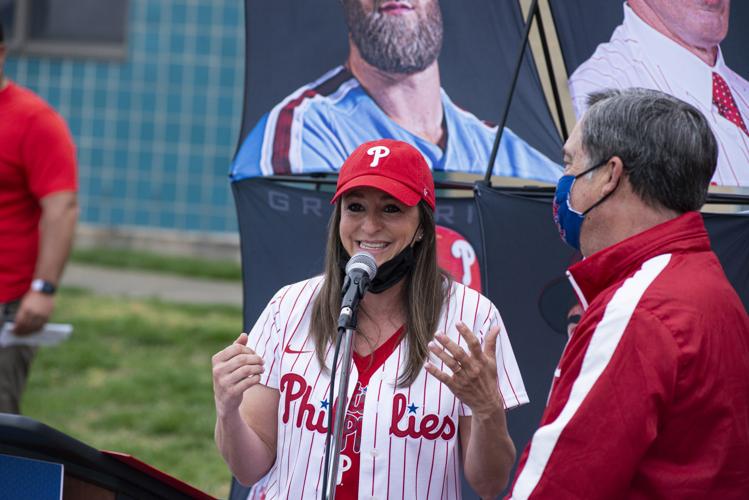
x: 235, y: 369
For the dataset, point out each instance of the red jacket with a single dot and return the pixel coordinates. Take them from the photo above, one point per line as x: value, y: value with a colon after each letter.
x: 651, y: 396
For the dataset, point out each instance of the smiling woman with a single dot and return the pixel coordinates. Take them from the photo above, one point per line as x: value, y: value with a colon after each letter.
x: 429, y: 354
x: 373, y: 221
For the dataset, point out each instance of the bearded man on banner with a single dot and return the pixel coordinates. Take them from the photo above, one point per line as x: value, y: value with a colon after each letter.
x: 389, y: 87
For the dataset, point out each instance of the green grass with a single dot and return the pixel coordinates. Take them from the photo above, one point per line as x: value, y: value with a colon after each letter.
x: 135, y: 377
x: 182, y: 266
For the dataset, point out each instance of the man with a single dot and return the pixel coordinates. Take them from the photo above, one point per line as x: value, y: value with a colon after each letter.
x: 38, y: 212
x: 651, y: 396
x: 673, y: 46
x: 388, y: 88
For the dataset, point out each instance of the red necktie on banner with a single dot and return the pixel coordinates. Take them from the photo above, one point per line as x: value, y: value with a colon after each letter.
x: 723, y: 100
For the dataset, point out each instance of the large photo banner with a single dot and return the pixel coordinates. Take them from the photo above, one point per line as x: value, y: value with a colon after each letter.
x: 283, y: 231
x: 525, y: 267
x: 692, y: 49
x: 505, y: 245
x: 483, y: 241
x: 323, y: 77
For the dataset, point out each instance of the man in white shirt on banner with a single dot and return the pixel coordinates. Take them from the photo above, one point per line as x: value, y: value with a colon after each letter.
x: 673, y: 46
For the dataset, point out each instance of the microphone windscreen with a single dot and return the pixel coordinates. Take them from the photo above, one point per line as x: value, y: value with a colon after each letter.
x: 363, y: 261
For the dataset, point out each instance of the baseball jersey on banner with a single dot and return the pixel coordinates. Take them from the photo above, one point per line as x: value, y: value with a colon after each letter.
x: 409, y: 435
x: 318, y: 126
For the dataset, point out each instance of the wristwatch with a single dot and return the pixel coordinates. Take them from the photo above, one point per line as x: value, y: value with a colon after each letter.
x: 43, y: 286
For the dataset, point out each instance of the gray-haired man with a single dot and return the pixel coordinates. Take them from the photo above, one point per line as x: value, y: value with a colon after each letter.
x: 651, y: 396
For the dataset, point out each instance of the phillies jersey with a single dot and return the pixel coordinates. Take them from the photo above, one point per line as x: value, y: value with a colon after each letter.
x: 651, y: 396
x: 348, y: 486
x: 318, y: 126
x: 409, y: 436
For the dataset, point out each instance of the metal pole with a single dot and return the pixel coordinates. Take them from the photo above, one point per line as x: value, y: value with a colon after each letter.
x: 340, y: 411
x: 506, y: 110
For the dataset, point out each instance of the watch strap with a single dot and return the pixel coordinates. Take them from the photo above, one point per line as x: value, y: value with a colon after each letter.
x: 43, y: 286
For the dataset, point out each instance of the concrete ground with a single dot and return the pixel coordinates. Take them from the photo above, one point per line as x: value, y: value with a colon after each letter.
x: 133, y: 283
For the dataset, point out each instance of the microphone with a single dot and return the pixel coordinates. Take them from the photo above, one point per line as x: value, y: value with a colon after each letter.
x: 360, y: 271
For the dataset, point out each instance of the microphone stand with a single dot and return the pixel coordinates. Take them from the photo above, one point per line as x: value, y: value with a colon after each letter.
x: 346, y: 326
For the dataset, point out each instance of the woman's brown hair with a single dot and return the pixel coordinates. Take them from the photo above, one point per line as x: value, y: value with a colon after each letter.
x: 425, y: 292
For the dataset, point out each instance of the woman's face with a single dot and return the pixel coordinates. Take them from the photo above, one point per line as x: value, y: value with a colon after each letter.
x: 372, y: 221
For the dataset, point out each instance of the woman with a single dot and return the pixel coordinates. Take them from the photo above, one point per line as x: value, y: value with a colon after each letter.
x: 419, y: 402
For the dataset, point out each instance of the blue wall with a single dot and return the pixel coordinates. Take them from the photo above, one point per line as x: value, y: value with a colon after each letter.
x: 155, y: 132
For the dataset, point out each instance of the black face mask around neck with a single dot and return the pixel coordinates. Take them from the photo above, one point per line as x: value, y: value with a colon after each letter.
x: 390, y: 273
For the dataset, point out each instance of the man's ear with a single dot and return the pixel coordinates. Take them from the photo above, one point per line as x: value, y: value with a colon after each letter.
x: 615, y: 169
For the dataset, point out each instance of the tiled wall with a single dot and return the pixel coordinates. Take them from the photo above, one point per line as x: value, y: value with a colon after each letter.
x: 155, y: 132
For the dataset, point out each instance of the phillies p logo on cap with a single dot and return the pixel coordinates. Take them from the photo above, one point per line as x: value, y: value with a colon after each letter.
x: 392, y: 166
x: 377, y: 152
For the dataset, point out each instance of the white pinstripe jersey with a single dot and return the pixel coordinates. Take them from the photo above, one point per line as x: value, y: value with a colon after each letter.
x: 424, y: 462
x: 639, y: 56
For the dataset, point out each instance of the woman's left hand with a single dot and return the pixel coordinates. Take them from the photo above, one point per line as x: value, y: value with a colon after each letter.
x: 474, y: 373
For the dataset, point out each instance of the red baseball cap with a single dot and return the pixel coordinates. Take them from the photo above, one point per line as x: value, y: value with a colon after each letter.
x: 394, y: 167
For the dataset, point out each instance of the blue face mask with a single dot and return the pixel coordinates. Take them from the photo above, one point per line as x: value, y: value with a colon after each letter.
x: 568, y: 220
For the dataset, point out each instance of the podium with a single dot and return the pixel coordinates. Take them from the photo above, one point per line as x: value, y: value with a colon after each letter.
x: 90, y: 474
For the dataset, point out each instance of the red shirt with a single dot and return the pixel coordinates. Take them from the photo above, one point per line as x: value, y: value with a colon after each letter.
x: 350, y: 448
x: 37, y: 158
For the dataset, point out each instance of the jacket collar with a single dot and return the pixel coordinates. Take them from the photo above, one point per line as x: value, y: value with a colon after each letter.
x: 594, y: 274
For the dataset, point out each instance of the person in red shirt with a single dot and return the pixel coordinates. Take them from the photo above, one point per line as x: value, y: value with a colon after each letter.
x: 38, y: 213
x: 651, y: 396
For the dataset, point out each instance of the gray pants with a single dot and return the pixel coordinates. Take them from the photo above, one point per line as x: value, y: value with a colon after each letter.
x: 14, y: 366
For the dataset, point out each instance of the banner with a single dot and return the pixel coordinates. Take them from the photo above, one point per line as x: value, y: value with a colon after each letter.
x: 584, y: 24
x: 323, y: 77
x: 695, y: 51
x: 283, y: 231
x: 509, y: 240
x: 729, y: 238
